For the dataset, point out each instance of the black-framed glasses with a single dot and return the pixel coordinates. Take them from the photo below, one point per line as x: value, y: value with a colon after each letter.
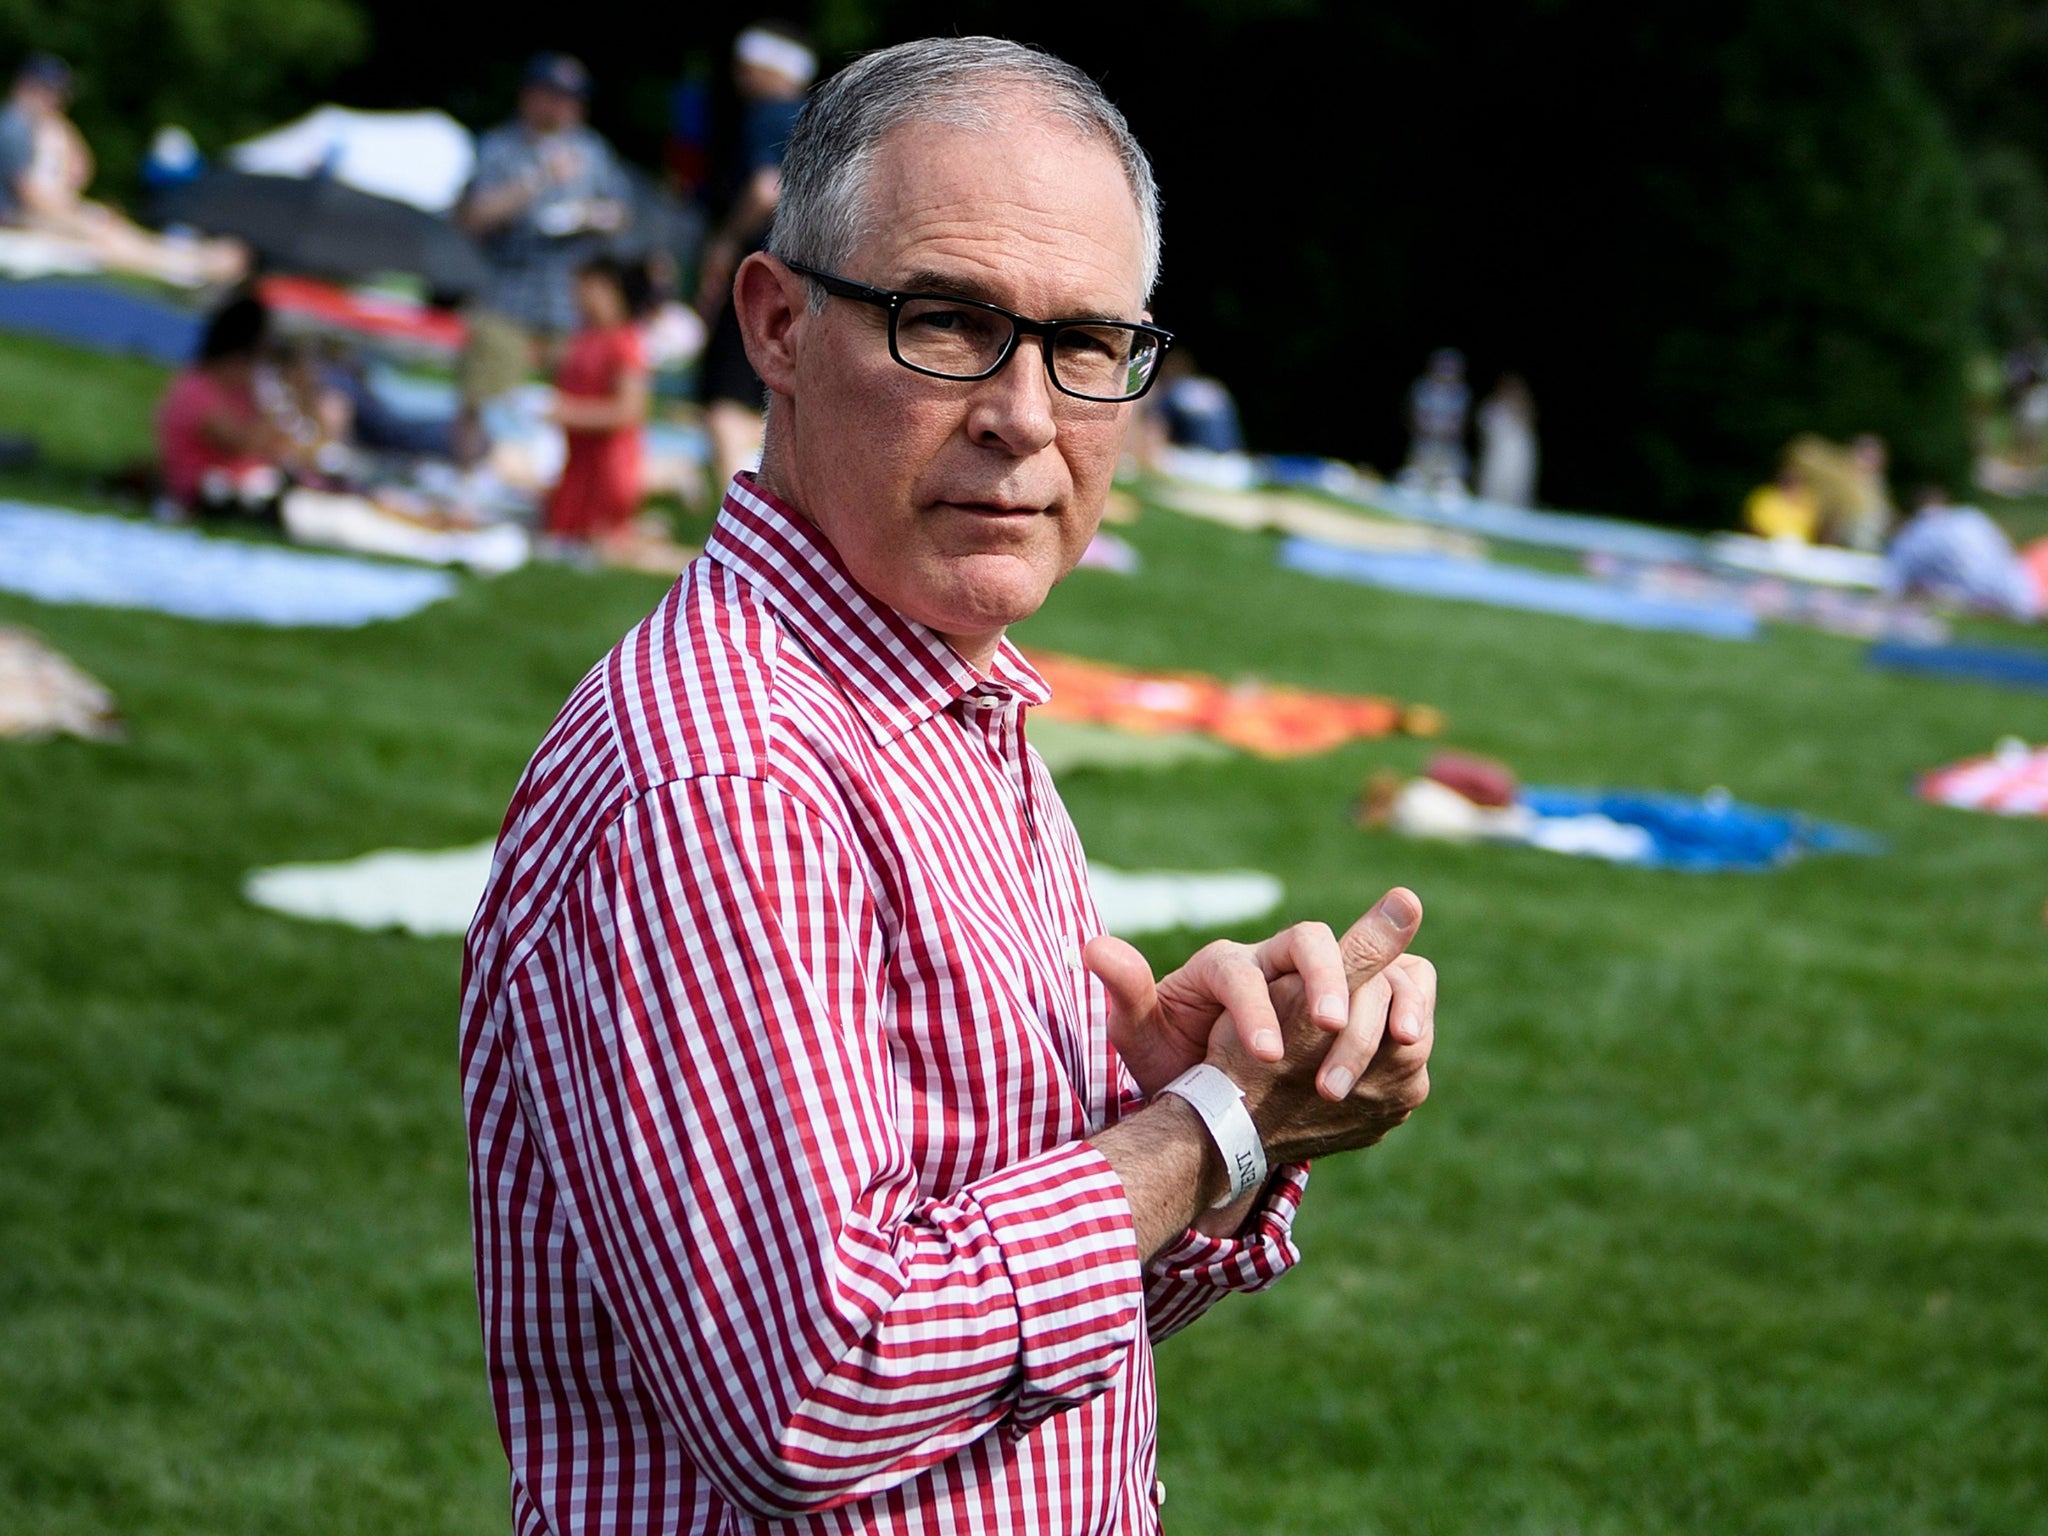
x: 949, y: 338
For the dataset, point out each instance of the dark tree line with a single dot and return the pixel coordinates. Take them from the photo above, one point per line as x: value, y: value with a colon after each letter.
x: 1696, y: 228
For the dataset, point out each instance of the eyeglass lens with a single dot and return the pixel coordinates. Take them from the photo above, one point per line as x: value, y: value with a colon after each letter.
x: 964, y: 341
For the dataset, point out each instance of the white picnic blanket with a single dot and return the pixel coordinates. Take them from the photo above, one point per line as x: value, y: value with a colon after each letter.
x: 435, y: 894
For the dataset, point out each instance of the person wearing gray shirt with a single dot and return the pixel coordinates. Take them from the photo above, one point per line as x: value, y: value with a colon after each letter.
x: 547, y: 194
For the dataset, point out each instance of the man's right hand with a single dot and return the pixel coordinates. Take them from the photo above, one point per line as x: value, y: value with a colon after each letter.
x: 1323, y: 1097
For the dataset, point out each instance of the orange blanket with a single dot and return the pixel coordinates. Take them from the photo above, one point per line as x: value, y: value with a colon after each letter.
x: 1273, y: 722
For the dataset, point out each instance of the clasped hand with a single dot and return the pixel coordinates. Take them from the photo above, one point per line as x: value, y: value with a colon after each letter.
x: 1329, y: 1038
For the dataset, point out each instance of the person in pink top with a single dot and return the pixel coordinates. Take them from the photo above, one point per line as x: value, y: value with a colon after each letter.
x: 219, y: 454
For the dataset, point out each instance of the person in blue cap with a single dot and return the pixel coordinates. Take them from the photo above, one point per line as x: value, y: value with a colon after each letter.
x: 547, y: 195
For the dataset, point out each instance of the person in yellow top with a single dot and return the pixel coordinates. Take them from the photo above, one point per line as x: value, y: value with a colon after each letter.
x: 1784, y: 509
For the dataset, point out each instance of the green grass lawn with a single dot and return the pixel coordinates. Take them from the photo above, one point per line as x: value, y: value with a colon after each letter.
x: 1729, y: 1214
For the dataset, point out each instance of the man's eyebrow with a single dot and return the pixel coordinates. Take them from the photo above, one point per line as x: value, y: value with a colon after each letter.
x: 947, y: 285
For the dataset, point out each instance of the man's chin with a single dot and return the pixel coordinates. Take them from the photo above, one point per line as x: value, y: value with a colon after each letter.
x: 988, y: 595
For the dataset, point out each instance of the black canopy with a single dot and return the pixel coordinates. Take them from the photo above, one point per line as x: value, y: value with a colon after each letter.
x: 319, y: 227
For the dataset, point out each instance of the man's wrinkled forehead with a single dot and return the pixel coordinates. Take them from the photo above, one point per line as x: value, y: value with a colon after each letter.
x: 1043, y: 185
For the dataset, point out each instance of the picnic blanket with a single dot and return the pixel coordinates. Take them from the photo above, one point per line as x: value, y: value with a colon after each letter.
x: 1645, y: 828
x: 305, y: 303
x: 59, y: 556
x: 100, y: 318
x: 1292, y: 513
x: 1576, y: 531
x: 43, y: 694
x: 1516, y: 587
x: 1272, y: 722
x: 1832, y: 609
x: 1068, y: 746
x: 2012, y: 781
x: 334, y: 520
x: 435, y: 894
x: 1110, y: 552
x: 2007, y: 666
x: 1814, y: 564
x: 26, y: 253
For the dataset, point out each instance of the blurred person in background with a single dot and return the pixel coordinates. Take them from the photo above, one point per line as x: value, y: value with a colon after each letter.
x: 1867, y: 517
x: 299, y: 391
x: 1187, y: 428
x: 1439, y: 406
x: 45, y: 167
x: 546, y: 196
x: 772, y: 67
x: 1852, y: 501
x: 1507, y: 443
x: 601, y: 394
x: 2024, y: 380
x: 219, y: 452
x: 1189, y: 409
x: 1784, y: 508
x: 1958, y: 557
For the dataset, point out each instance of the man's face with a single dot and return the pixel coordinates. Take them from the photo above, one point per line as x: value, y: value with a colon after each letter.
x: 39, y: 100
x: 960, y: 504
x: 543, y: 109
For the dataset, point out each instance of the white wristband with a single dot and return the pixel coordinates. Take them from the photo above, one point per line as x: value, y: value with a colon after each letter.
x: 1220, y: 1103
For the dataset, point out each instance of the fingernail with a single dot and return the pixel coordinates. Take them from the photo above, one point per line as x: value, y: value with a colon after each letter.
x: 1332, y: 1008
x: 1268, y: 1040
x: 1400, y: 910
x: 1338, y: 1081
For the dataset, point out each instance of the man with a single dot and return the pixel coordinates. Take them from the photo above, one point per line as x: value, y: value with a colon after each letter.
x: 1438, y: 406
x: 829, y: 1166
x: 772, y: 67
x: 546, y: 196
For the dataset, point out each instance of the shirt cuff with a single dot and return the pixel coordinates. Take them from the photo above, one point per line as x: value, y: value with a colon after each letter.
x: 1063, y: 1226
x: 1261, y: 1252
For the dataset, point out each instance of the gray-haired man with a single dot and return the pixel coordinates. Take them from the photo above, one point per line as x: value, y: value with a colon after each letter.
x: 833, y: 1171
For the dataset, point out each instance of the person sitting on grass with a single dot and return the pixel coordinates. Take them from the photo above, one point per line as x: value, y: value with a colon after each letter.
x: 220, y: 454
x: 45, y: 167
x: 602, y: 393
x: 1959, y: 558
x: 1784, y: 509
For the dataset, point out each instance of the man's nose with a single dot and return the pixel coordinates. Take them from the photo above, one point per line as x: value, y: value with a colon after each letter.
x: 1015, y: 409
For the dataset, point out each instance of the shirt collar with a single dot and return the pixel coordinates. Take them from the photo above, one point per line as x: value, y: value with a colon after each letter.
x: 896, y: 671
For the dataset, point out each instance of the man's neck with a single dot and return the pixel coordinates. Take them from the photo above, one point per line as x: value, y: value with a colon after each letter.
x: 978, y: 651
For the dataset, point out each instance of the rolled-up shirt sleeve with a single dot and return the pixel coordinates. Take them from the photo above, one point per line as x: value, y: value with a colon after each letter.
x: 712, y: 1087
x: 1193, y: 1273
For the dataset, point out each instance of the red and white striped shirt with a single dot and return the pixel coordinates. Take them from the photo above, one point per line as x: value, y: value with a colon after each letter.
x: 778, y: 1057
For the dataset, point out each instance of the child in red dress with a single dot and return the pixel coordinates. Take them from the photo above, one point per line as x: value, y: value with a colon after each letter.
x: 601, y: 393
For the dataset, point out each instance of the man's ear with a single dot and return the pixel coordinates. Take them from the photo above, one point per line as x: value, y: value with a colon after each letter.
x: 772, y: 305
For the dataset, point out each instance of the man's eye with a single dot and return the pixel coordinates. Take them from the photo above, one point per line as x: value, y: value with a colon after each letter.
x: 948, y: 322
x: 1094, y: 345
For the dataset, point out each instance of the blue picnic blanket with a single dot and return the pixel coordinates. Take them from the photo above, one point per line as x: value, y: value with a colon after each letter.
x: 100, y: 318
x: 2008, y: 666
x: 1527, y: 525
x: 58, y: 556
x: 1713, y: 832
x: 1508, y: 586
